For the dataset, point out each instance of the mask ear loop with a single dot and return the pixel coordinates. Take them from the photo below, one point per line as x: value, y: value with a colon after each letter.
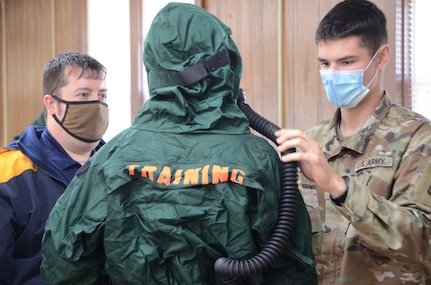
x: 372, y: 79
x: 58, y: 99
x: 368, y: 65
x: 372, y: 59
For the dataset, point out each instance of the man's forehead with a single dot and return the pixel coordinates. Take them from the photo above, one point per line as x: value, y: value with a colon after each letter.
x: 77, y: 72
x: 345, y: 48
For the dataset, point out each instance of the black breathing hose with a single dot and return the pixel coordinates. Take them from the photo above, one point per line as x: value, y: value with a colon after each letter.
x: 230, y: 271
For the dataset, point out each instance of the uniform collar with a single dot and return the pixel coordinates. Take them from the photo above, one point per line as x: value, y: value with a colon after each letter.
x: 359, y: 141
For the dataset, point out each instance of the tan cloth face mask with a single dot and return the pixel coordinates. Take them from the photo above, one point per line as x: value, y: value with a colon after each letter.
x: 86, y: 121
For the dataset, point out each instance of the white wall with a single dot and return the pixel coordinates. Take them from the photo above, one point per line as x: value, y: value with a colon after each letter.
x: 109, y: 42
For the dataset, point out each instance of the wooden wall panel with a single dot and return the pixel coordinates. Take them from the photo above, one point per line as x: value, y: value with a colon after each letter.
x: 25, y: 52
x: 3, y: 125
x: 276, y: 41
x: 304, y: 101
x: 281, y: 72
x: 275, y: 38
x: 33, y: 32
x: 70, y: 25
x: 394, y: 77
x: 136, y: 58
x: 254, y: 25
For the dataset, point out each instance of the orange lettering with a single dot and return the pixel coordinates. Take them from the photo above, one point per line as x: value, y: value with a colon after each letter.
x: 205, y: 174
x: 148, y: 171
x: 178, y: 175
x: 132, y: 169
x: 165, y: 176
x: 237, y: 176
x: 220, y: 174
x: 191, y: 176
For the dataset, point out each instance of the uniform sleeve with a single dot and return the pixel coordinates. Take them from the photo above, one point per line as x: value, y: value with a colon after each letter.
x: 399, y: 226
x: 72, y: 246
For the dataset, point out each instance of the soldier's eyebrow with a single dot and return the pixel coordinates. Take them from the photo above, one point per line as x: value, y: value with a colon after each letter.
x: 344, y: 58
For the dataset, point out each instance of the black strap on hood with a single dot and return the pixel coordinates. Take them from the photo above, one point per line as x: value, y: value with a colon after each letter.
x: 200, y: 70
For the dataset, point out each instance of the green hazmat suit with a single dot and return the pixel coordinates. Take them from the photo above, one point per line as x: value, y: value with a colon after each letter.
x: 186, y: 184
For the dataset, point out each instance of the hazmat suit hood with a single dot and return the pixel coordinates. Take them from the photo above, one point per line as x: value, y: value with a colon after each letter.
x: 194, y: 71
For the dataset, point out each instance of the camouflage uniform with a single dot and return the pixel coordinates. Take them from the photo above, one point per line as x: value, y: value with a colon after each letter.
x: 381, y: 233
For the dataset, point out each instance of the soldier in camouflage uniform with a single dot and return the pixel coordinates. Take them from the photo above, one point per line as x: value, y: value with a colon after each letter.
x: 366, y: 172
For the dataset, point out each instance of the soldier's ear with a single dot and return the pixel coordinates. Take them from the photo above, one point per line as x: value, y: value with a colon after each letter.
x: 383, y: 56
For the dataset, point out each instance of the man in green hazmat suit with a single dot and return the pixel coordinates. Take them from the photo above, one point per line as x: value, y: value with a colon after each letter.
x: 186, y: 184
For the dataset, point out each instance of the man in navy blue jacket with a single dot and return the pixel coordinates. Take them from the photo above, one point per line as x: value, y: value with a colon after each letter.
x: 36, y: 168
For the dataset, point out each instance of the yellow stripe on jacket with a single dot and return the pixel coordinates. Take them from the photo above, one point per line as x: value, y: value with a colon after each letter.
x: 13, y: 163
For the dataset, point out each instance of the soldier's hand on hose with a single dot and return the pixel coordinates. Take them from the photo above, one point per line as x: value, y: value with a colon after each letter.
x: 311, y: 160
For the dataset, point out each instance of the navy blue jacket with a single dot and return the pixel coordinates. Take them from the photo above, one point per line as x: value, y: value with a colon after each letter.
x: 34, y: 172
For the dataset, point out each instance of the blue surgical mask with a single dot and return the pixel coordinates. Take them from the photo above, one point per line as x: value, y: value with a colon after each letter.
x: 345, y: 88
